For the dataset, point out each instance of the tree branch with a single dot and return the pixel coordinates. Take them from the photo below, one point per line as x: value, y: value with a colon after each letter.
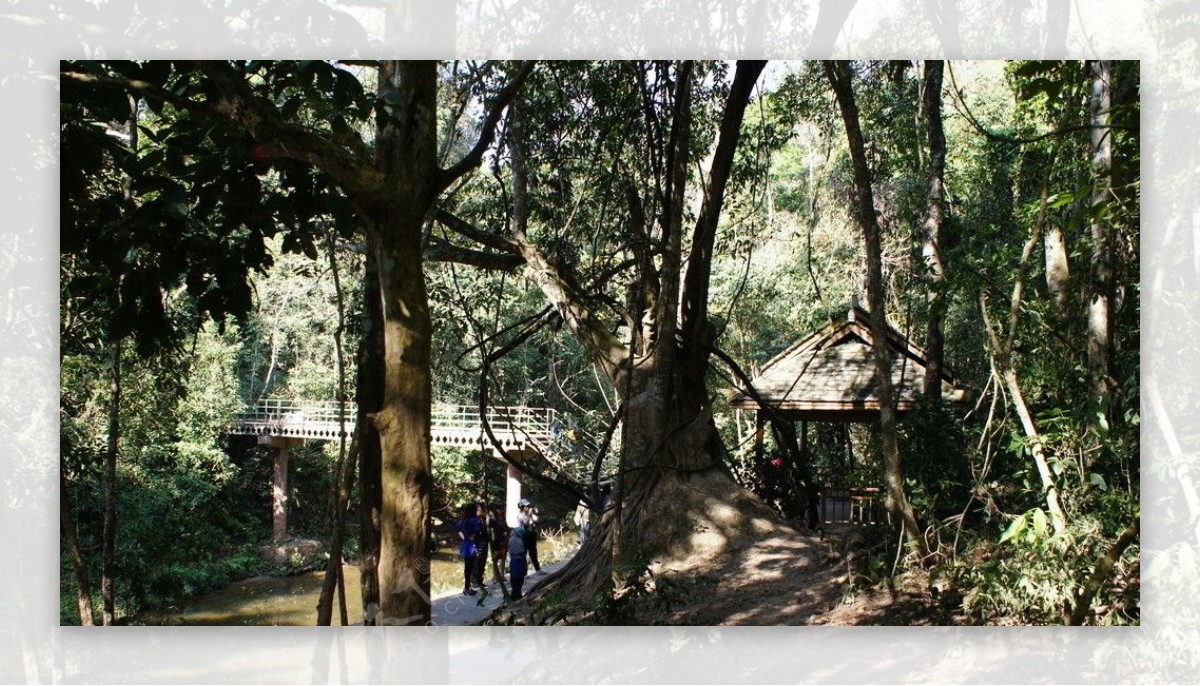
x: 488, y: 131
x: 351, y: 169
x: 442, y: 250
x: 696, y: 281
x: 239, y: 105
x: 471, y: 232
x: 602, y: 345
x: 1083, y: 600
x: 138, y: 87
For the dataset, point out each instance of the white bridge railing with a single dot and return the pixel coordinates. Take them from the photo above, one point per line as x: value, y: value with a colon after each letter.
x: 451, y: 424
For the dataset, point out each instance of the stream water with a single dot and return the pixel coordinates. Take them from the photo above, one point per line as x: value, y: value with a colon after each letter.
x: 292, y: 600
x: 289, y: 600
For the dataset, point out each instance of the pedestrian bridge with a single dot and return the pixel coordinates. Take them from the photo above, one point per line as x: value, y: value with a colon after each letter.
x: 516, y: 428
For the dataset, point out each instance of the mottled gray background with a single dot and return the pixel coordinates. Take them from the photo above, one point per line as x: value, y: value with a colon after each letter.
x: 34, y: 35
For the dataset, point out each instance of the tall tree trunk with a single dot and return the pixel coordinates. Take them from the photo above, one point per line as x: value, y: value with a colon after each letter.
x: 343, y: 472
x: 1002, y: 354
x: 831, y: 17
x: 109, y: 541
x: 935, y: 272
x: 369, y: 385
x: 1099, y: 312
x: 279, y: 488
x: 840, y: 78
x: 944, y: 16
x: 407, y: 153
x: 78, y: 564
x: 1056, y: 25
x: 668, y: 424
x: 109, y: 536
x: 404, y: 426
x: 1058, y: 266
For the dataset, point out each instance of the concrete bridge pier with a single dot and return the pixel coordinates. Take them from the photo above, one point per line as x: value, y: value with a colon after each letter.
x: 279, y: 483
x: 512, y: 494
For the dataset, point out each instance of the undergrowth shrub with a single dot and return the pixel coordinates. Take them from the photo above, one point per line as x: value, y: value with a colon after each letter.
x: 1031, y: 575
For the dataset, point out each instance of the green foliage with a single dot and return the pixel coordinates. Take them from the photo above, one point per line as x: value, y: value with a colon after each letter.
x: 936, y: 452
x: 286, y: 349
x: 1029, y: 575
x: 461, y: 476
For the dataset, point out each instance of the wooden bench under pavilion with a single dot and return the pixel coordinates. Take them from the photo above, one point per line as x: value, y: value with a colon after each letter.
x: 829, y: 376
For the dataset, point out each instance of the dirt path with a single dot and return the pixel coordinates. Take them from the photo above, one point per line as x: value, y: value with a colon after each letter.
x: 456, y: 609
x: 781, y: 579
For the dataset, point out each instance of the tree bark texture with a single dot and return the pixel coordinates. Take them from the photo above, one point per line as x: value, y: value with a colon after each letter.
x: 1056, y: 24
x: 109, y: 541
x: 1058, y: 265
x: 1082, y: 603
x: 404, y: 431
x: 1099, y: 311
x: 370, y: 400
x: 931, y: 253
x: 343, y: 473
x: 840, y: 78
x: 407, y: 154
x: 78, y: 564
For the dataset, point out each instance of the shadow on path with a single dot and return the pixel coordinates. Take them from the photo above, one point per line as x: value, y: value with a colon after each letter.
x: 456, y: 609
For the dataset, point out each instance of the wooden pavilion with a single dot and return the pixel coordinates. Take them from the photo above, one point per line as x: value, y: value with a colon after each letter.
x: 829, y: 376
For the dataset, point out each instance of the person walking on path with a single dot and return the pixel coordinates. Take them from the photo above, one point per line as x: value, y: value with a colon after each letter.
x: 583, y: 520
x: 516, y: 561
x: 527, y: 520
x: 470, y: 530
x: 499, y: 532
x: 481, y: 557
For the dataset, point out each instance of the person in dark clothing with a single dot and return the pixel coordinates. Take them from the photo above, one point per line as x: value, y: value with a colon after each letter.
x: 470, y: 530
x: 516, y: 561
x: 481, y: 557
x: 499, y: 532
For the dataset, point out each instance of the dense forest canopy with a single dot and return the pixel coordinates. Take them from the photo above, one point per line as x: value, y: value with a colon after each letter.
x: 627, y: 243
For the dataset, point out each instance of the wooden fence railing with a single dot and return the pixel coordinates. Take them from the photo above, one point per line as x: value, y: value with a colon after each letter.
x: 852, y: 506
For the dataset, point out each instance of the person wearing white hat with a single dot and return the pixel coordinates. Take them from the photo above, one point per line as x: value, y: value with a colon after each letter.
x: 527, y: 520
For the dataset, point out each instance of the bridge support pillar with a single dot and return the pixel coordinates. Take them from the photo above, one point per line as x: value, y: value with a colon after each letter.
x: 279, y: 484
x: 512, y: 494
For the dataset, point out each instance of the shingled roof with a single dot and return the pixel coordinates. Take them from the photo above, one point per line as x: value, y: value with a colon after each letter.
x: 830, y: 374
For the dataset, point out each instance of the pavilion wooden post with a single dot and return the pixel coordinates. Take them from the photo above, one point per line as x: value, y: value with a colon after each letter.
x: 804, y: 438
x: 758, y: 438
